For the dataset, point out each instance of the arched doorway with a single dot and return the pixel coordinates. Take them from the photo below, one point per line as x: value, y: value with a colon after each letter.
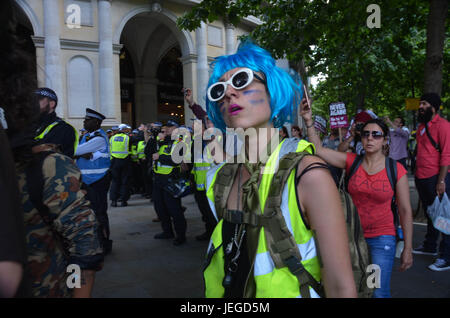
x: 152, y: 72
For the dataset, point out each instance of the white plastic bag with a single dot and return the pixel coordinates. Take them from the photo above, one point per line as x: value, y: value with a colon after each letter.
x: 439, y: 213
x: 433, y: 209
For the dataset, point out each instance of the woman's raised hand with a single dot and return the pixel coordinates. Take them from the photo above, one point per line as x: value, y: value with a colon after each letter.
x: 188, y: 96
x: 305, y: 110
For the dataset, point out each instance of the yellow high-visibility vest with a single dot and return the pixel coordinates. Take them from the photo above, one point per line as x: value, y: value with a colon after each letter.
x: 269, y: 280
x: 49, y: 127
x: 119, y: 146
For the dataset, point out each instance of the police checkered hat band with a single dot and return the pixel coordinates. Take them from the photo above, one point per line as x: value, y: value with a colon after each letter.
x: 47, y: 92
x: 158, y: 124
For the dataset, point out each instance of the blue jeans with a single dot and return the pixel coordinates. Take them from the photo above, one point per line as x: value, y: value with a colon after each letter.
x: 382, y: 252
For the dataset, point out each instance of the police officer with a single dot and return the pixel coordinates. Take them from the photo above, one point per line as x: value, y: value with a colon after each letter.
x: 93, y: 159
x: 115, y: 130
x: 152, y: 143
x: 143, y: 167
x: 200, y: 167
x: 135, y: 171
x: 120, y: 166
x: 51, y: 128
x: 167, y: 207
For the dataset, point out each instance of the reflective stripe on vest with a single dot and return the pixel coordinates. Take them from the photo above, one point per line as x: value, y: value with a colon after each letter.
x: 49, y: 127
x: 119, y: 146
x: 201, y: 168
x: 270, y: 281
x: 164, y: 169
x: 94, y: 170
x: 140, y: 149
x: 134, y: 156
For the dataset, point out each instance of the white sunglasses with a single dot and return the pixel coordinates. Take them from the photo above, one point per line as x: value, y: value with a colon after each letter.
x: 241, y: 79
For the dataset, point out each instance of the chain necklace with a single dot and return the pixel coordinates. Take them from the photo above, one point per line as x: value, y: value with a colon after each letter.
x: 239, y: 232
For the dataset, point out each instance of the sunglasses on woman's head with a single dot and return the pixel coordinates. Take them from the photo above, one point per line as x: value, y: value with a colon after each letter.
x: 240, y: 80
x: 375, y: 134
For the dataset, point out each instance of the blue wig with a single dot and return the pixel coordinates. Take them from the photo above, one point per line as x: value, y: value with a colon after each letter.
x: 285, y: 94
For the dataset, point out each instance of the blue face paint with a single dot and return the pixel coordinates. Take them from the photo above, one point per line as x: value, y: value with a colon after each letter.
x: 257, y: 101
x: 252, y: 91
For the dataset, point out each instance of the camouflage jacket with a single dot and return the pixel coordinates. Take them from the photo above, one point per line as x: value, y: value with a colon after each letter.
x: 71, y: 238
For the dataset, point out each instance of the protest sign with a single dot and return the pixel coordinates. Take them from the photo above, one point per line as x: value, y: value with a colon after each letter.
x: 320, y: 124
x: 338, y: 115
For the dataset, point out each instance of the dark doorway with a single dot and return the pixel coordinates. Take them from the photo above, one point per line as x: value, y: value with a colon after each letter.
x: 170, y: 84
x: 127, y: 76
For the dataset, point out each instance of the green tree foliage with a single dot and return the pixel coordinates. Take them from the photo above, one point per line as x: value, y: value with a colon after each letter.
x: 371, y: 68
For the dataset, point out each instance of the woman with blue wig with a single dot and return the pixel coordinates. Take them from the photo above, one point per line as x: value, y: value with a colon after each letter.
x: 247, y: 90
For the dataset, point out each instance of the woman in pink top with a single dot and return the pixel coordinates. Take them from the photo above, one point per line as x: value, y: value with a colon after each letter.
x: 372, y: 193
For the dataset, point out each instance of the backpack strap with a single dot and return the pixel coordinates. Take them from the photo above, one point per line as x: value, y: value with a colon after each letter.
x: 433, y: 142
x: 35, y: 184
x: 281, y: 243
x: 355, y: 165
x: 222, y: 189
x: 391, y: 170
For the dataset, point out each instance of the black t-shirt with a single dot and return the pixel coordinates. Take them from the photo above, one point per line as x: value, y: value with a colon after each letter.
x: 242, y: 270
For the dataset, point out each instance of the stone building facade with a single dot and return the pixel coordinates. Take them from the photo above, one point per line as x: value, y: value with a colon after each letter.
x: 124, y: 58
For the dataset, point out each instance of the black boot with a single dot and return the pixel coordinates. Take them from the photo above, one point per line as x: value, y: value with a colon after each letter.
x: 163, y: 236
x: 179, y: 240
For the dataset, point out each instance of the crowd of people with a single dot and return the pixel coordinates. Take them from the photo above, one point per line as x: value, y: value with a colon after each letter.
x: 269, y: 234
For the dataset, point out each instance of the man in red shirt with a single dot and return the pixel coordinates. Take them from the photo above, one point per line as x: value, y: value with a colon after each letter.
x: 432, y: 163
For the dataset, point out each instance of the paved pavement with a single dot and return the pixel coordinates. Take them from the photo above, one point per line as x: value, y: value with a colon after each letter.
x: 141, y: 266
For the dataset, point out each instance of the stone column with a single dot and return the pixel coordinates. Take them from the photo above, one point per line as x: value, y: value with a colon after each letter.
x: 202, y: 64
x: 230, y: 44
x: 52, y: 51
x: 105, y: 54
x: 189, y: 80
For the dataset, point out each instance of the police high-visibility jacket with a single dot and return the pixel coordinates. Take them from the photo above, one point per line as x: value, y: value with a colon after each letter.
x: 161, y: 168
x: 134, y: 155
x: 52, y: 125
x: 200, y: 169
x: 94, y: 170
x: 140, y: 149
x: 269, y: 281
x: 119, y: 146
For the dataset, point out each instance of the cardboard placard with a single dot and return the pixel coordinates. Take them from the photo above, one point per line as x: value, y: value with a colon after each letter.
x: 320, y: 123
x: 338, y: 115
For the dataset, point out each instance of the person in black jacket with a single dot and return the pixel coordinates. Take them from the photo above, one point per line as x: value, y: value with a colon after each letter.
x: 51, y: 128
x: 151, y: 146
x: 167, y: 207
